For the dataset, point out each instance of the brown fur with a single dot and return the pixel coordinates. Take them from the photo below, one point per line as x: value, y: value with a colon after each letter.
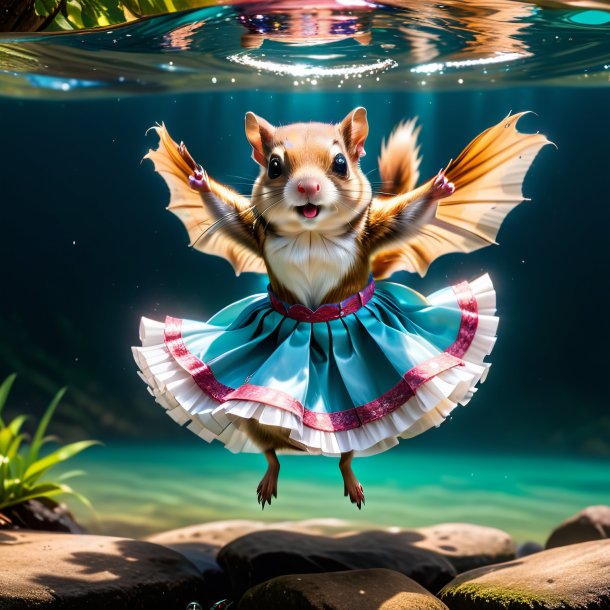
x: 269, y: 437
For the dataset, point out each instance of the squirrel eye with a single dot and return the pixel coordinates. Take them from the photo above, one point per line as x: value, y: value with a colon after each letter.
x: 340, y: 165
x: 275, y: 167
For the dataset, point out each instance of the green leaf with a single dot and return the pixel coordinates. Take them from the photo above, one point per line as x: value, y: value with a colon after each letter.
x: 70, y: 475
x: 14, y: 446
x: 16, y: 467
x: 42, y: 426
x: 74, y: 14
x: 15, y: 425
x: 42, y: 490
x: 79, y: 496
x: 20, y: 465
x: 6, y: 437
x: 60, y: 23
x: 5, y: 389
x: 51, y: 438
x: 44, y: 8
x: 37, y: 468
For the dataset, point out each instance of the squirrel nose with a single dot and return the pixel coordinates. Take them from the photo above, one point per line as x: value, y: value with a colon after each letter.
x: 308, y: 186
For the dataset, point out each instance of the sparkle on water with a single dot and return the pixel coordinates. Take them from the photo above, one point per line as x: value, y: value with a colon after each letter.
x: 267, y: 46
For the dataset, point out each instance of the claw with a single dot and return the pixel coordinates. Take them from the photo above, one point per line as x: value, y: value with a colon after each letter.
x: 184, y: 153
x: 267, y: 488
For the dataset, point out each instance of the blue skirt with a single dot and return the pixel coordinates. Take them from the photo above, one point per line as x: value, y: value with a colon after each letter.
x: 388, y: 363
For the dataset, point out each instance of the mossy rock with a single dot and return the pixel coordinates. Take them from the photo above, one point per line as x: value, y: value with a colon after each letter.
x: 568, y: 578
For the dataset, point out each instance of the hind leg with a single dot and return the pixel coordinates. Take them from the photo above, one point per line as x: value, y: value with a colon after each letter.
x: 268, y: 485
x: 352, y: 487
x: 268, y: 439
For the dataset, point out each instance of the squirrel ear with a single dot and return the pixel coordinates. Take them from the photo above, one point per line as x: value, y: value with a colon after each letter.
x: 355, y: 128
x: 260, y: 135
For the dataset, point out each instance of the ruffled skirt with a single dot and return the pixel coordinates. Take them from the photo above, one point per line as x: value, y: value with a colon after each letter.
x: 393, y: 367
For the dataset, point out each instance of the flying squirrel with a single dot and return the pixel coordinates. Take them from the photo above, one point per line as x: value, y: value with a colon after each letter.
x: 314, y: 225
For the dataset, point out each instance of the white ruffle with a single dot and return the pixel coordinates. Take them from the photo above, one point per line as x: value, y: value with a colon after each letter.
x: 176, y: 391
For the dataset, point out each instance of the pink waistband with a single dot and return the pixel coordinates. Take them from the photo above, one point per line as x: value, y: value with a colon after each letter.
x: 324, y: 313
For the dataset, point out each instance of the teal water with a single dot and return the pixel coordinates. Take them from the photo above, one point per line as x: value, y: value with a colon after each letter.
x: 138, y: 490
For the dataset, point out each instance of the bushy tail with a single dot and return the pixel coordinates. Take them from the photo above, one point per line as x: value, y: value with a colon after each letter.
x: 399, y: 159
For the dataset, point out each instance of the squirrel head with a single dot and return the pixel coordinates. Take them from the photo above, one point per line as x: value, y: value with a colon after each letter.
x: 310, y: 178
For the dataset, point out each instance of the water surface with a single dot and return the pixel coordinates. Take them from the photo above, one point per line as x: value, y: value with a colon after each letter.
x: 327, y: 45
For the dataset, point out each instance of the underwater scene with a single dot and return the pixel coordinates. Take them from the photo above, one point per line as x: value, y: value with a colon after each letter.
x: 375, y: 316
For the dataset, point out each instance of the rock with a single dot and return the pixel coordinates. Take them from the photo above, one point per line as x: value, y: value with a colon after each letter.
x: 357, y: 590
x: 467, y: 546
x: 201, y: 543
x: 67, y: 571
x: 529, y: 548
x: 569, y: 577
x: 592, y: 523
x: 211, y: 537
x: 263, y: 555
x: 40, y: 514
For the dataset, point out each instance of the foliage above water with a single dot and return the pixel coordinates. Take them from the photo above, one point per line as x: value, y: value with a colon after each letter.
x: 23, y: 466
x: 80, y: 14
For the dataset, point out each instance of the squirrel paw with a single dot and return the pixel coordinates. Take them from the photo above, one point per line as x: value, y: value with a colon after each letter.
x: 267, y: 488
x: 354, y: 490
x: 199, y: 180
x: 441, y: 187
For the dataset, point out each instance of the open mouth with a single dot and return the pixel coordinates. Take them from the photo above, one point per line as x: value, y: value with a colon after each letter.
x: 309, y: 210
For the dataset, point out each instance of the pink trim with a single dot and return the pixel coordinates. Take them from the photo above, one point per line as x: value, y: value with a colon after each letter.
x: 333, y: 422
x: 201, y: 372
x: 267, y: 396
x: 356, y: 416
x: 405, y: 388
x: 324, y: 313
x: 342, y: 420
x: 470, y: 319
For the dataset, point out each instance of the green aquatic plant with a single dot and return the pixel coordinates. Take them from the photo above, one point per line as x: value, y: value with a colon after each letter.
x: 22, y: 464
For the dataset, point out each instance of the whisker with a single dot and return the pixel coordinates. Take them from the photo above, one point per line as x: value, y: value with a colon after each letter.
x: 242, y: 177
x: 375, y: 192
x: 269, y: 207
x: 348, y: 222
x: 216, y: 225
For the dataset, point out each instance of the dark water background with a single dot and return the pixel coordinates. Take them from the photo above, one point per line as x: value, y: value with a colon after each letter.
x: 87, y: 248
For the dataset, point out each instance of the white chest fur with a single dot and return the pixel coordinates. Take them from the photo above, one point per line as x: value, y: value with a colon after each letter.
x: 310, y: 264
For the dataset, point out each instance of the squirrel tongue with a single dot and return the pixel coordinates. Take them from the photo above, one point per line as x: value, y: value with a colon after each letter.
x: 310, y: 210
